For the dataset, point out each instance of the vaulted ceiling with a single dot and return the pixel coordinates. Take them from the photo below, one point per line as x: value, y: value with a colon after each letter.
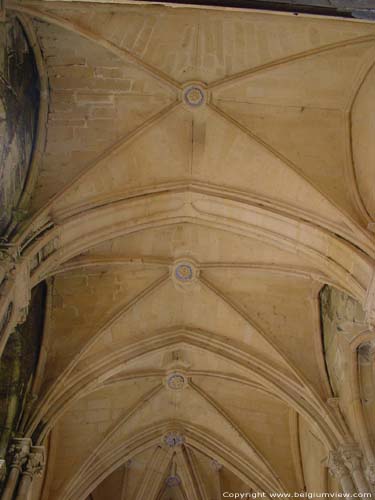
x: 203, y: 175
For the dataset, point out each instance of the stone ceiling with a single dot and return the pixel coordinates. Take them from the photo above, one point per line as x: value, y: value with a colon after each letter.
x: 203, y: 176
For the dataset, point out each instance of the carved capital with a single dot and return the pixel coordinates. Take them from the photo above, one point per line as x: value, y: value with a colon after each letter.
x: 19, y: 451
x: 34, y: 464
x: 352, y: 456
x: 336, y: 465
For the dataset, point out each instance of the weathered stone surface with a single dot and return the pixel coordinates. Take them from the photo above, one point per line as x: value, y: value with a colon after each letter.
x: 17, y: 369
x: 196, y: 192
x: 19, y: 100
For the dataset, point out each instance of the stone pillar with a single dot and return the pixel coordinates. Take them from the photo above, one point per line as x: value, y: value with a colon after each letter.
x: 32, y: 467
x: 338, y: 469
x: 19, y: 450
x: 352, y: 457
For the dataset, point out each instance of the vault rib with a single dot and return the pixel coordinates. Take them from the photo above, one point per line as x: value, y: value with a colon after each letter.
x: 282, y: 386
x: 360, y: 239
x: 278, y: 485
x: 299, y: 271
x: 191, y: 462
x: 52, y: 393
x: 209, y: 217
x: 350, y: 221
x: 196, y: 439
x: 296, y: 447
x: 151, y: 483
x: 222, y: 82
x: 41, y: 130
x: 124, y: 483
x: 308, y: 386
x: 114, y: 49
x: 350, y: 171
x: 107, y: 154
x: 197, y: 362
x: 115, y: 427
x: 186, y: 475
x: 239, y: 310
x: 95, y: 261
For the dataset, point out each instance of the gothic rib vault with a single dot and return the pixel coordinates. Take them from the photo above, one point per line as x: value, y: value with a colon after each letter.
x: 200, y: 176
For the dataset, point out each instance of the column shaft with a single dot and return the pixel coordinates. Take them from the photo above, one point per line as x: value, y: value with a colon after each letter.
x: 11, y: 483
x: 24, y: 487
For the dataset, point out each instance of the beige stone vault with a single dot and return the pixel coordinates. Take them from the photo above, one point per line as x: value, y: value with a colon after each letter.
x: 201, y: 175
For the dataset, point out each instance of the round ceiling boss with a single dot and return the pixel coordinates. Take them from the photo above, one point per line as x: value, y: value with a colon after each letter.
x: 194, y: 95
x: 176, y: 381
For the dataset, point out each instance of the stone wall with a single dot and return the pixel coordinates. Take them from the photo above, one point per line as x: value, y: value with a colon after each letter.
x: 19, y: 103
x: 337, y: 310
x: 17, y: 367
